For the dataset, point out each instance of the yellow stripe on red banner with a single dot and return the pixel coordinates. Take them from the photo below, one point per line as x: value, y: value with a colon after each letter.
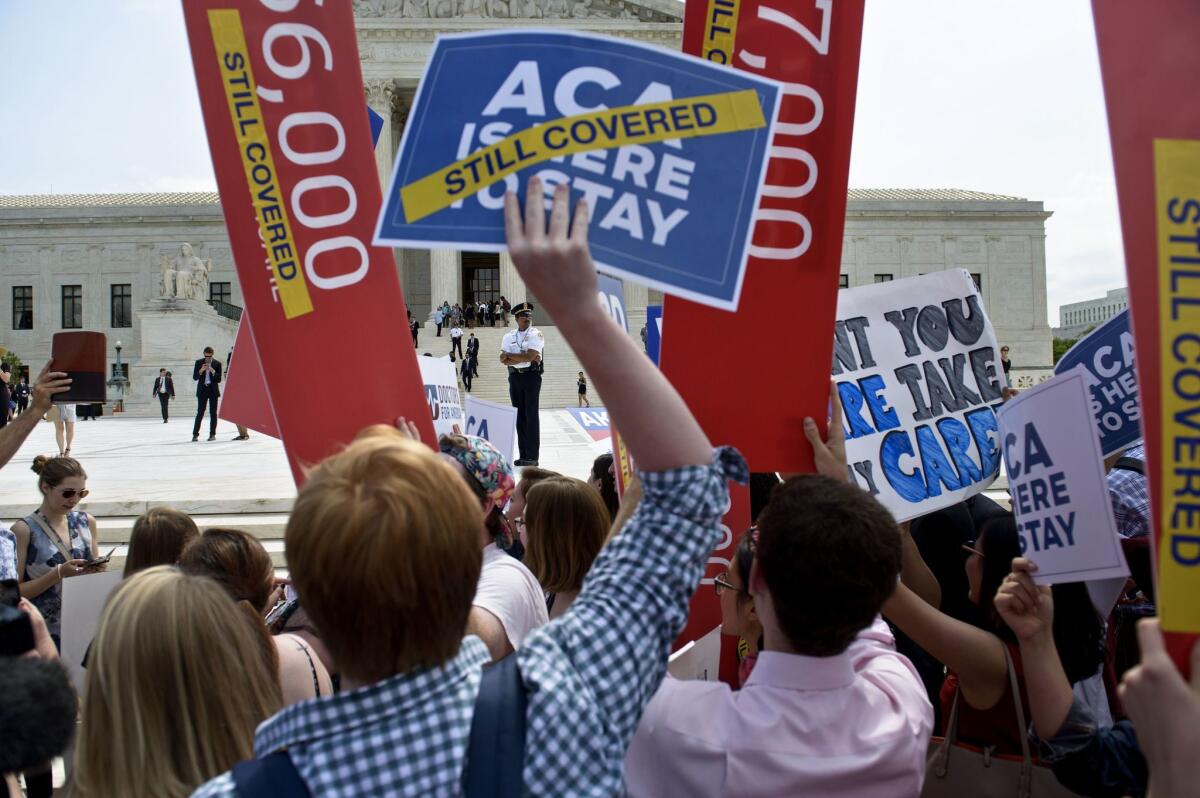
x: 254, y: 147
x: 707, y: 115
x: 1177, y: 209
x: 720, y: 30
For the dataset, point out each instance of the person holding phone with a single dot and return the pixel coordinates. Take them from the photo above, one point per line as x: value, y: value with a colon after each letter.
x: 207, y: 374
x: 56, y: 541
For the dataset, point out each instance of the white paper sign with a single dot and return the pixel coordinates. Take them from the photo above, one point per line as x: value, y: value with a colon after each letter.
x: 83, y: 600
x: 441, y: 390
x: 493, y: 422
x: 1058, y: 485
x: 698, y: 660
x: 916, y: 365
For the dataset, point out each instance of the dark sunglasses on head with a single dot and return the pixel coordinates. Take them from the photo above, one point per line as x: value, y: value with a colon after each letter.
x: 69, y: 493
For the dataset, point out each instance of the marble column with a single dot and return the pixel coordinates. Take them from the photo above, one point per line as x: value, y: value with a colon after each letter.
x: 512, y: 287
x: 445, y: 277
x: 381, y: 96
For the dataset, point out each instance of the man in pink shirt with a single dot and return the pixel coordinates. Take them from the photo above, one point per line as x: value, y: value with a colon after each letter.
x: 830, y: 708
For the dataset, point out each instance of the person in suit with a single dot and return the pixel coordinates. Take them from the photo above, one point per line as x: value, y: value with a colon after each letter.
x: 164, y: 389
x: 207, y: 374
x: 473, y: 354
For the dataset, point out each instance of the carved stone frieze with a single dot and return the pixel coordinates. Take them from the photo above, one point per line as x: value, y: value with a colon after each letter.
x: 511, y: 9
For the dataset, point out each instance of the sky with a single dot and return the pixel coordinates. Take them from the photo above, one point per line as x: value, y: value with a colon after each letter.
x: 1002, y: 96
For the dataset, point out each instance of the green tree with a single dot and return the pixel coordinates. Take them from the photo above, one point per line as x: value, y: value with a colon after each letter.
x: 15, y: 363
x: 1061, y: 345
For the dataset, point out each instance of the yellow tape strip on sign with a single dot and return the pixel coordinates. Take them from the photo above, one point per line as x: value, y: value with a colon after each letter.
x: 707, y: 115
x: 254, y: 149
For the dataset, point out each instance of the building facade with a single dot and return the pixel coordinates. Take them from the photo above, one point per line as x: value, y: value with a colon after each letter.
x: 92, y: 261
x: 1078, y: 317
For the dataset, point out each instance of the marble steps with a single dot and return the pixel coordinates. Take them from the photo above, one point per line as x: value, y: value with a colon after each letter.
x: 267, y: 527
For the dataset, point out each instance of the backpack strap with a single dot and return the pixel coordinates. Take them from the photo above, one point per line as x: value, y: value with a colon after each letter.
x: 273, y: 776
x: 496, y: 750
x: 1131, y: 464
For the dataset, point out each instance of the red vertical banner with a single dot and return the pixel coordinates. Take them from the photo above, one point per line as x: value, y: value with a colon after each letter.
x: 1149, y: 59
x: 281, y: 93
x: 733, y: 383
x: 704, y: 613
x: 244, y: 397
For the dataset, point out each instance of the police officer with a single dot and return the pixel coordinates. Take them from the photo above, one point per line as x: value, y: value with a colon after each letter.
x: 521, y: 351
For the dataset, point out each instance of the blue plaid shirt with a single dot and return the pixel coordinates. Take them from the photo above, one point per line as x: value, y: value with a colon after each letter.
x: 8, y: 553
x: 1130, y: 497
x: 588, y: 674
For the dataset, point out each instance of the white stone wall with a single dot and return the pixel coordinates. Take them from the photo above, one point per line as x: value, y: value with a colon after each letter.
x: 96, y: 247
x: 1081, y: 315
x: 1004, y: 242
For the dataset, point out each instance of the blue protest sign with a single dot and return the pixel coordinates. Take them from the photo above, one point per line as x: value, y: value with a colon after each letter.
x: 669, y: 151
x: 593, y: 421
x: 376, y: 122
x: 1057, y: 481
x: 612, y: 299
x: 1106, y: 356
x: 493, y: 422
x: 654, y: 324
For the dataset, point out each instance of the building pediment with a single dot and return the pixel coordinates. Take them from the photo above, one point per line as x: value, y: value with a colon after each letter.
x: 664, y: 11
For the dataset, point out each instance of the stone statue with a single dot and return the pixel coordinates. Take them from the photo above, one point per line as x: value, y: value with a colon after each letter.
x: 166, y: 277
x: 184, y: 265
x: 200, y: 280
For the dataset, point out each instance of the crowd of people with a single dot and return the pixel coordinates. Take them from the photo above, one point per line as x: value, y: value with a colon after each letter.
x: 435, y: 596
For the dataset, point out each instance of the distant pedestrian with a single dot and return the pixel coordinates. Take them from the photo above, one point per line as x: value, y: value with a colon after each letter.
x: 5, y: 396
x: 21, y: 393
x: 468, y: 366
x: 473, y: 353
x: 438, y: 316
x: 1006, y: 364
x: 164, y: 390
x: 413, y: 326
x: 505, y: 309
x: 469, y: 314
x: 582, y: 383
x: 456, y: 340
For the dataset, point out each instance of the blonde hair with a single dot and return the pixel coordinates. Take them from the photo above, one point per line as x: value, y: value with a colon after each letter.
x: 566, y: 525
x: 383, y: 546
x: 177, y: 682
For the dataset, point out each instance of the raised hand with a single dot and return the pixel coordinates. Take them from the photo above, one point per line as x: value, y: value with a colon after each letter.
x: 47, y: 384
x: 1027, y: 608
x: 1165, y: 709
x: 830, y: 453
x: 554, y: 262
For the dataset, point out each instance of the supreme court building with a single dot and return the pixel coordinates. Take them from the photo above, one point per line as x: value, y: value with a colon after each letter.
x: 93, y: 261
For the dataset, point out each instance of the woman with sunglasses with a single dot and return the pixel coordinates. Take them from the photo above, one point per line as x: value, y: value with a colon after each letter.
x: 737, y: 606
x: 56, y: 541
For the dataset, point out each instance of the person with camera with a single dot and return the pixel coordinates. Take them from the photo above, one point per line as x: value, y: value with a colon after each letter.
x: 37, y: 702
x: 521, y: 351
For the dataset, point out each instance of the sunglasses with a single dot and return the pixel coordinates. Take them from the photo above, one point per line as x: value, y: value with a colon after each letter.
x: 721, y: 583
x: 70, y: 493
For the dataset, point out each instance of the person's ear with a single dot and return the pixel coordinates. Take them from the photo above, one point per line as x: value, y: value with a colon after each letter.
x: 757, y: 584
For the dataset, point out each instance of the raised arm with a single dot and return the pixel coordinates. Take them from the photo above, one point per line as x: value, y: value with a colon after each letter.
x: 593, y: 670
x: 47, y: 385
x: 557, y: 267
x: 976, y: 656
x: 1028, y: 609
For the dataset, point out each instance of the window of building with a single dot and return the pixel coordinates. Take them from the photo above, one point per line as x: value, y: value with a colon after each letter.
x: 22, y: 307
x: 843, y: 281
x: 220, y: 292
x: 883, y: 278
x: 72, y: 307
x: 977, y: 278
x: 122, y: 305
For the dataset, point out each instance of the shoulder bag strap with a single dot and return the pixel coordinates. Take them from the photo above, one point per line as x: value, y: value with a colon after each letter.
x: 1025, y: 788
x: 32, y: 521
x: 273, y: 776
x: 496, y: 749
